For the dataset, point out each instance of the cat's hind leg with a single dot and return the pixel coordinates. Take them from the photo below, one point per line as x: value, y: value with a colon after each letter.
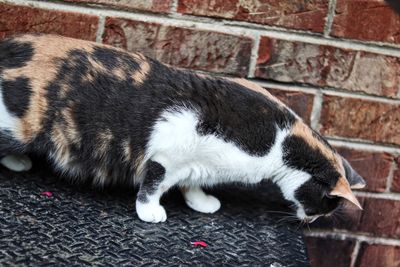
x: 199, y: 201
x: 17, y: 163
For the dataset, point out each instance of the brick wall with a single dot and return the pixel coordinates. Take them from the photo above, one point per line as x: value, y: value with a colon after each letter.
x: 336, y: 63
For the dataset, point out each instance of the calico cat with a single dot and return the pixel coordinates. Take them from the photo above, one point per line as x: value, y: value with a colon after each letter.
x: 101, y: 113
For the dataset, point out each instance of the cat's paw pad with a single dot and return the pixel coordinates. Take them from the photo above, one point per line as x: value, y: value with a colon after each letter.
x: 149, y: 212
x: 205, y: 204
x: 17, y: 163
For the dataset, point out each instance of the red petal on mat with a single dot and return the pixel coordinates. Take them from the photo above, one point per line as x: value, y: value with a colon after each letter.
x: 47, y: 194
x: 199, y: 243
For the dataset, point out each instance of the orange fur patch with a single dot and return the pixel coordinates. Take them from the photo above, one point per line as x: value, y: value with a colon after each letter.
x: 41, y: 70
x: 256, y: 88
x: 104, y: 139
x: 144, y: 67
x: 62, y: 152
x: 126, y: 148
x: 137, y: 160
x: 71, y: 130
x: 101, y: 176
x: 139, y: 164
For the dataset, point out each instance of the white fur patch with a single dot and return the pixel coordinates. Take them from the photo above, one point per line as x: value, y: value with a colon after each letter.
x: 7, y: 120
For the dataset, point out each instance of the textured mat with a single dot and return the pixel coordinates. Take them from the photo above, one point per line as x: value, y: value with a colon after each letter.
x: 80, y: 226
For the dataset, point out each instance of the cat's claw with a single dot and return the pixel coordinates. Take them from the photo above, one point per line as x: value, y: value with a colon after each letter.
x: 151, y: 212
x: 17, y: 163
x: 201, y: 202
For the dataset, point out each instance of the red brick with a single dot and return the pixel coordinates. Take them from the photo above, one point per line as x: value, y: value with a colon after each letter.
x: 380, y: 217
x: 361, y: 119
x: 162, y: 6
x: 396, y: 177
x: 294, y: 14
x: 299, y: 102
x: 22, y: 19
x: 374, y: 167
x: 181, y: 47
x: 366, y: 20
x: 375, y: 255
x: 319, y: 65
x: 329, y: 252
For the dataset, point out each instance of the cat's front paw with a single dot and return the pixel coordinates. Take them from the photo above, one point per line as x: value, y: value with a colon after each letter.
x: 204, y: 203
x: 151, y: 212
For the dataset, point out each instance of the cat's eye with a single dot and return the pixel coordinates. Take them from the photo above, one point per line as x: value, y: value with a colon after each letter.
x: 326, y: 195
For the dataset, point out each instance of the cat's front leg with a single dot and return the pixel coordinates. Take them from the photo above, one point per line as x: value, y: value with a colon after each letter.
x: 152, y: 188
x: 198, y: 200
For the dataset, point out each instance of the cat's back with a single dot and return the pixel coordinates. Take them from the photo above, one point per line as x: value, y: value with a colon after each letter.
x: 78, y: 102
x: 43, y: 59
x: 42, y: 76
x: 93, y: 108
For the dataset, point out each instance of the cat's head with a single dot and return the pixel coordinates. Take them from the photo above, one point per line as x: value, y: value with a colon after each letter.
x: 324, y: 178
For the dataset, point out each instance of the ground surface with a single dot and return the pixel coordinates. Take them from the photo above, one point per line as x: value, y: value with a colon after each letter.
x: 80, y: 226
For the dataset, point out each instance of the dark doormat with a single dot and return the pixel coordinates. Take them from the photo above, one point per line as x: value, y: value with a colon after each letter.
x: 80, y: 226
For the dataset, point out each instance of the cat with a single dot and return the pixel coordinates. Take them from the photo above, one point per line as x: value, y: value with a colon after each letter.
x: 102, y: 113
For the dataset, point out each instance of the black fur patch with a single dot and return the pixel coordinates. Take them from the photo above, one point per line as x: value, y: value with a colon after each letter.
x: 16, y: 95
x: 299, y: 155
x: 314, y: 194
x: 14, y: 54
x: 155, y: 174
x: 239, y: 115
x: 111, y: 58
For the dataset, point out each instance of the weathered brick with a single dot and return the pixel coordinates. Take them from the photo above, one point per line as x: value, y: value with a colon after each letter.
x: 374, y: 255
x: 161, y: 6
x: 22, y: 19
x: 181, y: 47
x: 299, y: 102
x: 360, y: 118
x: 319, y: 65
x: 294, y: 14
x: 329, y: 252
x: 366, y: 20
x: 380, y: 217
x: 374, y: 167
x: 396, y: 176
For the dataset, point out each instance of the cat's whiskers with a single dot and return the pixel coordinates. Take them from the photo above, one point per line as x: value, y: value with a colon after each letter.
x: 308, y: 226
x: 288, y: 219
x: 279, y: 212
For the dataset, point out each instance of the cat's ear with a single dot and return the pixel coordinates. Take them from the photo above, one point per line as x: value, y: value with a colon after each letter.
x: 355, y: 180
x: 342, y: 189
